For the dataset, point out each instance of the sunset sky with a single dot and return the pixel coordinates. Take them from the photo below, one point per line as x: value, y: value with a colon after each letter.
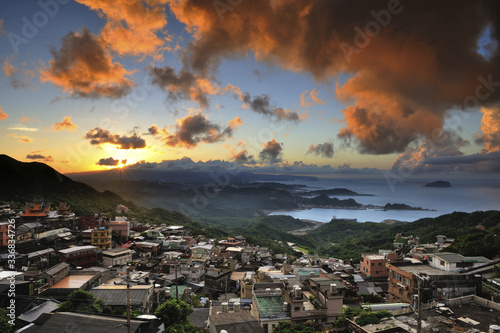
x: 312, y: 86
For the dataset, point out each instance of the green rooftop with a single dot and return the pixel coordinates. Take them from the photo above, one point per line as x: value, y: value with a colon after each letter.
x: 271, y: 304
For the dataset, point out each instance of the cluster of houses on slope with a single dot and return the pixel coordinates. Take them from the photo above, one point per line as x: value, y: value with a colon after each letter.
x: 234, y: 285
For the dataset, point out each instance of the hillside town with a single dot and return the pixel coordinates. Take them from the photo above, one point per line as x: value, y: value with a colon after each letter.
x: 231, y: 285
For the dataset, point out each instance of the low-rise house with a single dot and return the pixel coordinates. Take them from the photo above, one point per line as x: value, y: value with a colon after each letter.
x: 238, y: 320
x: 141, y: 296
x: 116, y: 256
x: 454, y: 262
x: 374, y: 265
x: 83, y: 256
x: 217, y: 279
x: 40, y: 256
x: 119, y: 226
x: 269, y: 305
x: 74, y: 322
x: 438, y: 285
x: 55, y: 274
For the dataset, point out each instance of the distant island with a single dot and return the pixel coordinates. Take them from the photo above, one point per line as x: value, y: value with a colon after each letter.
x: 323, y: 201
x: 337, y: 192
x: 401, y: 206
x: 438, y: 183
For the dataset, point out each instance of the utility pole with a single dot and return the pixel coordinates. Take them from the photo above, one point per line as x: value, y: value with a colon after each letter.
x: 419, y: 305
x: 128, y: 303
x: 176, y: 285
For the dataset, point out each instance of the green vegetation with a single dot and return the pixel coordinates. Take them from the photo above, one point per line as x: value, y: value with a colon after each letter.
x: 362, y: 316
x: 174, y: 315
x: 474, y: 235
x: 81, y: 300
x: 287, y: 327
x: 5, y: 327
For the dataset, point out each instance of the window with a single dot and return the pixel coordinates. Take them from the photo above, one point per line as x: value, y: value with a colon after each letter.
x: 380, y: 264
x: 373, y: 264
x: 441, y: 262
x: 297, y: 308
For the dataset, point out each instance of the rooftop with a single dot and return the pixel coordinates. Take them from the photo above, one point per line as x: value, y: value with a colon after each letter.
x: 118, y: 296
x: 72, y: 282
x: 421, y: 268
x: 271, y: 304
x: 77, y: 248
x: 374, y: 256
x: 241, y: 322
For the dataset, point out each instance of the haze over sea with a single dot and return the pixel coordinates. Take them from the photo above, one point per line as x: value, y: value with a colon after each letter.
x: 468, y: 194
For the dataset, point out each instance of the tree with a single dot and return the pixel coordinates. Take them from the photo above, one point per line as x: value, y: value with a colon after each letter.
x: 287, y: 327
x: 172, y: 312
x: 81, y: 300
x: 4, y: 322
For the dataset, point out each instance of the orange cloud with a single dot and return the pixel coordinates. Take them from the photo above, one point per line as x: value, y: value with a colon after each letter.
x: 271, y: 152
x: 99, y: 136
x: 26, y: 119
x: 490, y: 128
x: 3, y: 115
x: 65, y: 125
x: 132, y: 25
x: 233, y: 123
x: 404, y: 74
x: 22, y: 138
x: 194, y: 129
x: 83, y: 68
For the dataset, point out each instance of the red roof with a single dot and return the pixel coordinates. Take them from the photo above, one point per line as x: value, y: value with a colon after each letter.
x: 37, y: 210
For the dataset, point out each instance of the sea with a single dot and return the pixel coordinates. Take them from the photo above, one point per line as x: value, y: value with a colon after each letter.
x: 467, y: 194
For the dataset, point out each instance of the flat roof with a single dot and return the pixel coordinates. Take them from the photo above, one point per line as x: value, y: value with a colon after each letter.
x: 271, y: 304
x: 374, y: 256
x: 421, y: 268
x: 77, y: 248
x: 72, y: 282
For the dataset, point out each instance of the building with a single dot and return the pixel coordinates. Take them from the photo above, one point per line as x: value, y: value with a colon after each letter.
x: 4, y: 233
x: 438, y: 285
x: 120, y: 226
x: 117, y: 256
x: 141, y: 296
x: 83, y: 256
x: 454, y: 262
x: 269, y: 306
x: 88, y: 222
x: 101, y: 238
x: 121, y: 209
x: 217, y: 279
x: 37, y: 211
x: 78, y: 322
x: 55, y: 274
x: 322, y: 302
x: 238, y: 320
x: 374, y: 265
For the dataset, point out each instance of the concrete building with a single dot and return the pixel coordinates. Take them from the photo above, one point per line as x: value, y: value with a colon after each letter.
x: 101, y: 238
x: 119, y: 226
x: 116, y: 256
x: 83, y: 256
x: 438, y: 285
x: 374, y: 265
x: 269, y: 306
x: 454, y: 262
x: 55, y: 274
x: 238, y: 320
